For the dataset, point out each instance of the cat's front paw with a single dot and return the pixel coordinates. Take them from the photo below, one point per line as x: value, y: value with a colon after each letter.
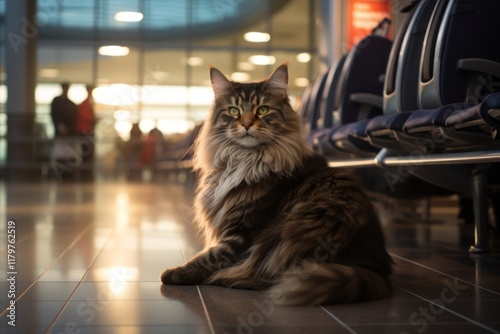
x: 179, y: 276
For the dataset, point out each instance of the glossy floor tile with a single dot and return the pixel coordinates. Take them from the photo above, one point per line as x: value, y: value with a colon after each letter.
x: 86, y: 258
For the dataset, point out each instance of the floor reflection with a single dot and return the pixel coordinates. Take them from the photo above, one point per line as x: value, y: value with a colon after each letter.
x: 89, y: 256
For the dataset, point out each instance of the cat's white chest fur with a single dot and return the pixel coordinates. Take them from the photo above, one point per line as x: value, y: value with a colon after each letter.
x: 249, y: 168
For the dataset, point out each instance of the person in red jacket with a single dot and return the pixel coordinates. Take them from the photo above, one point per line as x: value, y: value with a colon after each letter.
x: 84, y: 128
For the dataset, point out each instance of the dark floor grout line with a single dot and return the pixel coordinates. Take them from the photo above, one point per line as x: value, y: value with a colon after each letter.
x: 449, y: 248
x: 442, y: 273
x: 63, y: 308
x: 462, y: 251
x: 343, y: 324
x: 472, y: 321
x: 209, y: 320
x: 489, y: 259
x: 67, y: 249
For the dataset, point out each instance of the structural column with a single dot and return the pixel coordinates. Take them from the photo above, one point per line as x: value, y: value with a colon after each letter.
x: 20, y: 51
x: 330, y: 43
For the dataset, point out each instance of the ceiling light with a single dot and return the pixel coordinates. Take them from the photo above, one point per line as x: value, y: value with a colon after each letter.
x: 303, y: 57
x: 128, y: 16
x: 262, y: 60
x: 113, y: 50
x: 301, y: 82
x: 240, y: 76
x: 193, y: 61
x: 257, y: 37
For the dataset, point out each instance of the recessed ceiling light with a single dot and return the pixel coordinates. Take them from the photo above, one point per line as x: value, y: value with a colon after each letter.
x: 113, y: 50
x: 257, y: 37
x: 301, y: 82
x: 303, y: 57
x: 262, y: 60
x: 128, y: 16
x: 193, y: 61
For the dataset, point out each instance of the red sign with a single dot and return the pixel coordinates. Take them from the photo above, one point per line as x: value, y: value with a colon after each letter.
x: 363, y: 16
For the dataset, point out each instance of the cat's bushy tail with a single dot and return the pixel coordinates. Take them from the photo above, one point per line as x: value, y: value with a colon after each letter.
x: 328, y: 283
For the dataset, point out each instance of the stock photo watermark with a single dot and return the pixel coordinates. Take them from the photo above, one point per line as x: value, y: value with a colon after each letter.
x: 435, y: 139
x: 265, y: 309
x: 30, y: 26
x: 420, y: 319
x: 71, y: 151
x: 88, y: 309
x: 223, y: 7
x: 11, y: 273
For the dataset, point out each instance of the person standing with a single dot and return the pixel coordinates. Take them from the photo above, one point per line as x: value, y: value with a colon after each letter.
x: 85, y: 124
x: 63, y: 155
x: 63, y: 112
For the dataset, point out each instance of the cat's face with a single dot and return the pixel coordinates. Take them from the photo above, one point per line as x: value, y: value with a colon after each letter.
x: 251, y: 128
x: 252, y: 114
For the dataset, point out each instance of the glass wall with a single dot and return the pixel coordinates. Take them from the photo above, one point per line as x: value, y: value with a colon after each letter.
x: 161, y: 77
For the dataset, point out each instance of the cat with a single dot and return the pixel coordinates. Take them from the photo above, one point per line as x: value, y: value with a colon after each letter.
x: 274, y: 216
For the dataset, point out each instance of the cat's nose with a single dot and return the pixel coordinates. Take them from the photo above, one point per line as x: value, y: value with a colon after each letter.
x: 247, y: 125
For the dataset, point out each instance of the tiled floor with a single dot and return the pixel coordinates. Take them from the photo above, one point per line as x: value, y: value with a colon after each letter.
x: 88, y: 258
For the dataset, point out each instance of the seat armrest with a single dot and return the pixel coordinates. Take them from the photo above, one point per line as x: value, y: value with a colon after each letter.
x: 480, y: 65
x: 369, y: 99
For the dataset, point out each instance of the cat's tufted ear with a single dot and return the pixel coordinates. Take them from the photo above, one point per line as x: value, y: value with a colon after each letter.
x: 279, y: 78
x: 220, y: 84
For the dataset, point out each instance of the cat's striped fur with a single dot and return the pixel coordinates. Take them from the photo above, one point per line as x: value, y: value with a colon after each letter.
x: 274, y: 215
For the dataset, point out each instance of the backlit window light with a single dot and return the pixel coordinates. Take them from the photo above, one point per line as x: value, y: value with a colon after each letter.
x: 301, y: 82
x: 193, y: 61
x: 303, y: 57
x: 240, y: 76
x: 262, y: 60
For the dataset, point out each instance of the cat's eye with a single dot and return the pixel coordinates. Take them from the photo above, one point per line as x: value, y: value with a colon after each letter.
x: 263, y: 110
x: 233, y: 111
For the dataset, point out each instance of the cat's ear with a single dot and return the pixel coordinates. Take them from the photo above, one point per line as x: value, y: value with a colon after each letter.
x: 220, y: 84
x: 279, y: 78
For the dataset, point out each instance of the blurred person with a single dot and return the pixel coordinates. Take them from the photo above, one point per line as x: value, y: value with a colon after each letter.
x: 63, y: 112
x: 131, y: 152
x: 153, y: 148
x: 85, y: 124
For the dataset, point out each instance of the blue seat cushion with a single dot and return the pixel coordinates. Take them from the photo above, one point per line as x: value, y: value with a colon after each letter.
x: 432, y: 117
x: 477, y: 112
x: 387, y: 122
x: 356, y: 129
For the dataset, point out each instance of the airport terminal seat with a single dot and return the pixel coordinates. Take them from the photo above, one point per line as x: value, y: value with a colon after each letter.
x: 329, y: 103
x: 401, y: 78
x: 446, y: 94
x: 458, y: 64
x: 357, y: 93
x: 310, y: 111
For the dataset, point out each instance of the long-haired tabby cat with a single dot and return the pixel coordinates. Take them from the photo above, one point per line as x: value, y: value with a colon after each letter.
x: 273, y: 214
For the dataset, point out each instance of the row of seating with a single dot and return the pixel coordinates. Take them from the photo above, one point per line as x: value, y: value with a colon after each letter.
x: 426, y: 105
